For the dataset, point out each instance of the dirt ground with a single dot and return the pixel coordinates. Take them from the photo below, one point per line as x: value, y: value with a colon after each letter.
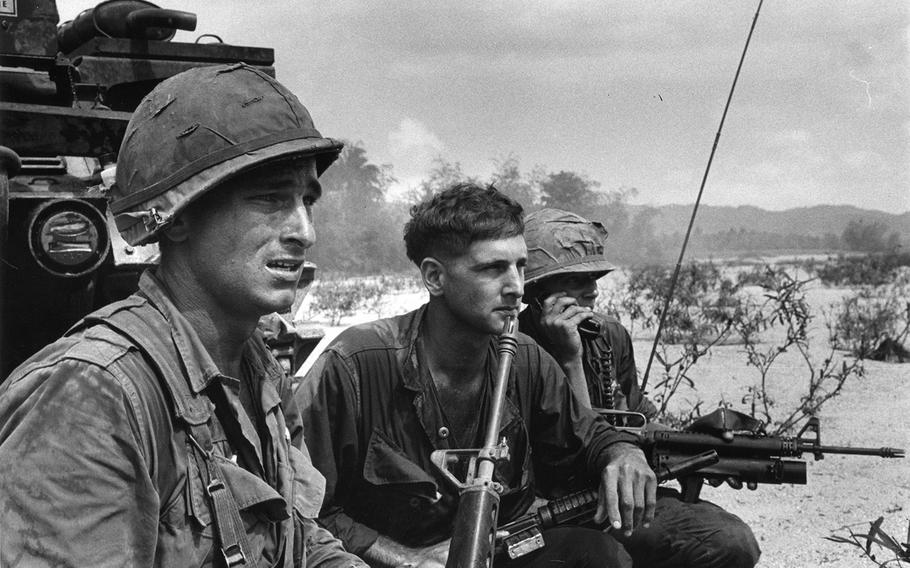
x: 792, y: 521
x: 842, y: 492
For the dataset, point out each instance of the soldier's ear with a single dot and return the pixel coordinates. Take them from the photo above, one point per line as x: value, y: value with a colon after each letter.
x: 432, y: 271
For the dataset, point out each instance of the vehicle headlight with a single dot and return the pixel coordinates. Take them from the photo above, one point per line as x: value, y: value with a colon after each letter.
x: 68, y: 237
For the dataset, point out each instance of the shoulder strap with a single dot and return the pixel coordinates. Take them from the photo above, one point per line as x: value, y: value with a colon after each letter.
x: 132, y: 318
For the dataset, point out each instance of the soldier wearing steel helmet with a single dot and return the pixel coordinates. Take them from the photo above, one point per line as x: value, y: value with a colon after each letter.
x: 160, y: 431
x: 565, y: 261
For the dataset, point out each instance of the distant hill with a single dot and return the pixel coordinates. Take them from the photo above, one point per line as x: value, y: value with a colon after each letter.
x: 814, y: 221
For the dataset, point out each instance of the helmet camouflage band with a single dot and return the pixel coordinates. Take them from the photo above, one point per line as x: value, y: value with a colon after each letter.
x: 199, y: 128
x: 561, y: 242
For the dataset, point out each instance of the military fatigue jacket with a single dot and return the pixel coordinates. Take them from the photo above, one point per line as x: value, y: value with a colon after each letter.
x: 96, y: 471
x: 619, y: 353
x: 372, y: 420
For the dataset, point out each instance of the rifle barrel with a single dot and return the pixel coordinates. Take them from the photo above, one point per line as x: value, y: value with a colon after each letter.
x: 507, y: 347
x: 668, y: 441
x: 884, y: 452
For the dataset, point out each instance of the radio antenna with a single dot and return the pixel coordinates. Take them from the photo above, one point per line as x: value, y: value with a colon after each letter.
x: 704, y: 179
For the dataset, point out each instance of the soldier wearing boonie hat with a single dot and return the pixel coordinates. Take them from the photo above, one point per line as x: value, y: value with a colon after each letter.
x: 160, y: 431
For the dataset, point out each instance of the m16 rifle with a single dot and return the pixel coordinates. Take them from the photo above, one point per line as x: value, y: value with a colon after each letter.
x: 722, y: 446
x: 473, y: 540
x: 746, y: 454
x: 66, y: 96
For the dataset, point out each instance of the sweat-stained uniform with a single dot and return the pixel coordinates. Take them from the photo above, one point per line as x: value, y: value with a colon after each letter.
x: 701, y: 534
x: 372, y: 420
x: 102, y: 459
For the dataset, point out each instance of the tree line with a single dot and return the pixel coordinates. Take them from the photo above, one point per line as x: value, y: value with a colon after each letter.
x: 359, y: 227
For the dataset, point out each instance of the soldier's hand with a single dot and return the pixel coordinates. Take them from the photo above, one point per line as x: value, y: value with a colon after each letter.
x: 560, y: 316
x: 628, y: 489
x: 734, y: 482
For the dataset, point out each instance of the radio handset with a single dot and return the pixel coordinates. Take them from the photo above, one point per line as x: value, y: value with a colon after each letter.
x: 590, y: 327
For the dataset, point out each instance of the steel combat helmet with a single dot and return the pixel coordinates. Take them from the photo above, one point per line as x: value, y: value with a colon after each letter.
x: 561, y: 242
x: 199, y: 128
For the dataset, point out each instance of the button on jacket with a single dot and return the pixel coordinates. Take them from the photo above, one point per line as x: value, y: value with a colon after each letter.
x: 372, y: 421
x: 95, y: 470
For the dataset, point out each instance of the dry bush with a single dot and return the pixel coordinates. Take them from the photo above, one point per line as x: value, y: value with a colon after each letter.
x: 338, y: 298
x: 783, y: 308
x: 875, y: 314
x: 861, y: 270
x: 876, y: 543
x: 765, y: 311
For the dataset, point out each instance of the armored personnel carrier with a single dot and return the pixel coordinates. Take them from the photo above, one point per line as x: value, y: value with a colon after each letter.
x: 66, y: 94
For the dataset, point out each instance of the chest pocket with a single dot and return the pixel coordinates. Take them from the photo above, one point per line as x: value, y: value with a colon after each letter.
x: 200, y: 522
x: 386, y: 465
x: 396, y: 496
x: 260, y: 508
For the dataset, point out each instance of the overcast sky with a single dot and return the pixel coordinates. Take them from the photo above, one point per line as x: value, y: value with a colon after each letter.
x: 628, y: 93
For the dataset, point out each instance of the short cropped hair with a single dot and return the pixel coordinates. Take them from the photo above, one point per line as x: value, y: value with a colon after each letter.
x: 447, y: 223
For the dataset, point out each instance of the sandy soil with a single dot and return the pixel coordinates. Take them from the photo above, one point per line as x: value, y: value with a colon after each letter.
x: 792, y: 521
x: 842, y: 492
